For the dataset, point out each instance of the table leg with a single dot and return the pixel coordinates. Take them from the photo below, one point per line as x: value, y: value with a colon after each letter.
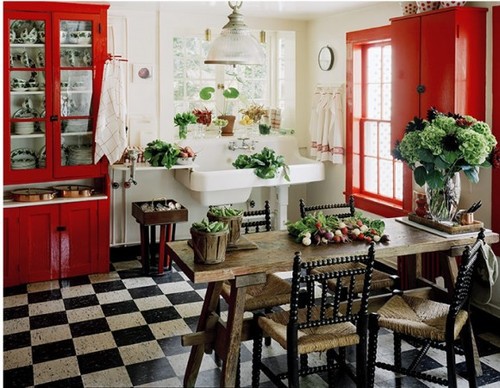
x: 170, y: 237
x: 145, y: 248
x: 195, y: 357
x: 152, y: 243
x: 161, y: 253
x: 234, y: 326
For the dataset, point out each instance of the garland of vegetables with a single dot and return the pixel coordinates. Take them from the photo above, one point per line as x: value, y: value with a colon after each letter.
x: 318, y: 228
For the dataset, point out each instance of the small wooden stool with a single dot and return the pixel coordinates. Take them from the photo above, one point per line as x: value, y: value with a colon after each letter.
x: 148, y: 220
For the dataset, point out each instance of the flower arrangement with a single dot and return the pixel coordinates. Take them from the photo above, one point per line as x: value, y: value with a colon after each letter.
x: 252, y: 114
x: 444, y: 144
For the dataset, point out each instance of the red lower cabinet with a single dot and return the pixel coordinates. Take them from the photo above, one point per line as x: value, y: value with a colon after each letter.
x: 53, y: 241
x: 11, y: 245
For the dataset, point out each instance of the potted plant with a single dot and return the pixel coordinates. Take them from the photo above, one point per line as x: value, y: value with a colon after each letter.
x: 209, y: 241
x: 182, y: 120
x: 231, y: 217
x: 229, y: 93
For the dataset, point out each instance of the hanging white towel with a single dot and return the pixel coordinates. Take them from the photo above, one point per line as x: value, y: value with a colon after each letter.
x: 326, y: 126
x: 486, y: 275
x: 111, y: 137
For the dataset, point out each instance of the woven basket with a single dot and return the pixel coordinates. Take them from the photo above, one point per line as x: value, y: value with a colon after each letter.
x: 234, y: 224
x: 209, y: 248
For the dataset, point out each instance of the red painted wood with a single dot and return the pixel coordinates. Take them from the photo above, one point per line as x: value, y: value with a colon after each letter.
x: 52, y: 13
x: 444, y: 51
x: 495, y: 196
x: 79, y: 240
x: 11, y: 246
x: 35, y: 245
x: 39, y: 249
x: 354, y: 40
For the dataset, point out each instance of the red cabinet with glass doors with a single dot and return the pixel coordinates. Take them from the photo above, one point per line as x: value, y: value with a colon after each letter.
x: 54, y: 55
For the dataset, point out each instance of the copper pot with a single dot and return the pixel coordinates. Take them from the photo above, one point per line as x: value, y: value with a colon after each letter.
x: 74, y: 191
x: 33, y: 195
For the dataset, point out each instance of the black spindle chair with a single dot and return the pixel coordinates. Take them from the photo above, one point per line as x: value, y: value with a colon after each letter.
x: 430, y: 324
x: 381, y: 280
x: 323, y: 325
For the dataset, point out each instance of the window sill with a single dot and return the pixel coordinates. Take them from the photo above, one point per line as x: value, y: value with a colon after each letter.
x: 383, y: 209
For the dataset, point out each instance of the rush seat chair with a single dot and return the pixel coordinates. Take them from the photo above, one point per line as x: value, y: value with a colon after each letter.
x: 324, y: 324
x: 430, y: 324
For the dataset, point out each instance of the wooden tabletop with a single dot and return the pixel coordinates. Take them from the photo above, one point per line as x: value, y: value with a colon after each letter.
x: 276, y: 250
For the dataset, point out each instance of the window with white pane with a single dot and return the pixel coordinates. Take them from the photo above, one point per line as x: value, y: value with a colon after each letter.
x: 380, y: 176
x: 271, y: 84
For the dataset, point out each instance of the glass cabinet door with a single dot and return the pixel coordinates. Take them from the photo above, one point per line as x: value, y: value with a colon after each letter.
x: 28, y: 84
x: 75, y: 90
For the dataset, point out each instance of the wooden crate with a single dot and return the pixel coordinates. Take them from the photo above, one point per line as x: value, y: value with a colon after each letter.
x: 451, y: 229
x: 158, y: 217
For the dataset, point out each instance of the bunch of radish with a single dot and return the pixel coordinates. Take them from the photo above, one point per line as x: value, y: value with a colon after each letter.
x: 186, y: 152
x: 320, y: 229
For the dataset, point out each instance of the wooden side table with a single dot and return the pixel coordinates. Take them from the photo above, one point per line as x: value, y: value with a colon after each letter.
x: 150, y: 214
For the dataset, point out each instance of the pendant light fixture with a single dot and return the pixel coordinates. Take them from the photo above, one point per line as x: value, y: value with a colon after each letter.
x: 235, y: 45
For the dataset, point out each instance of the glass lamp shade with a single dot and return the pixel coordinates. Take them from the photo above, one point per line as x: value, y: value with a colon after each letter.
x: 235, y: 45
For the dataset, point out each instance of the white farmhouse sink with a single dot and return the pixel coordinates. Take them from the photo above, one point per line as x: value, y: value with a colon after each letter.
x: 214, y: 181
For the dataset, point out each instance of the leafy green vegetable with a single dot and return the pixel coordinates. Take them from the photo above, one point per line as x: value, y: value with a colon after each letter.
x: 266, y: 163
x: 159, y: 153
x: 210, y: 227
x: 225, y: 211
x: 183, y: 119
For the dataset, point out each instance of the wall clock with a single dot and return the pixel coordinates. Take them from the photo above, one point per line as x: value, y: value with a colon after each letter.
x: 325, y: 58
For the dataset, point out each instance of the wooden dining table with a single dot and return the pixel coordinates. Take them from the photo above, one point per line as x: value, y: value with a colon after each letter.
x: 273, y: 252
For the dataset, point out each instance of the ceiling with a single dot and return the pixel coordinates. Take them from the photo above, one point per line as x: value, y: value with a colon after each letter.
x: 284, y: 9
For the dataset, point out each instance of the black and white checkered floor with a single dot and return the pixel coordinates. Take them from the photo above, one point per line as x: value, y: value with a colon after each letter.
x: 123, y: 329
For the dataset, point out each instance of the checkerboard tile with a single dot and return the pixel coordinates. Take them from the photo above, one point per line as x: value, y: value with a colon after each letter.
x: 123, y: 329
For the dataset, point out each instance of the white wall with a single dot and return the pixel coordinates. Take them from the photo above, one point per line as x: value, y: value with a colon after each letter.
x: 143, y: 34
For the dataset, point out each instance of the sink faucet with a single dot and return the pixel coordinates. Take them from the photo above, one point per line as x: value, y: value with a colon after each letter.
x: 246, y: 144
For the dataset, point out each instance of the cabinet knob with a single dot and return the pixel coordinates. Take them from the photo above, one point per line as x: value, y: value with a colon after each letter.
x: 61, y: 228
x: 420, y: 89
x: 54, y: 118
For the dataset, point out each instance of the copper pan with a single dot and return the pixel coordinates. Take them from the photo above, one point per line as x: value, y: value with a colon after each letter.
x: 33, y: 195
x: 74, y: 191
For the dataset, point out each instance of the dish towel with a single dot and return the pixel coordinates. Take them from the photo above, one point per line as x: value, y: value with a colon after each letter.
x: 111, y: 136
x: 326, y: 126
x: 485, y: 276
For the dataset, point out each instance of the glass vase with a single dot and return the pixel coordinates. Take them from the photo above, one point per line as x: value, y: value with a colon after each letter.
x: 183, y: 131
x: 443, y: 202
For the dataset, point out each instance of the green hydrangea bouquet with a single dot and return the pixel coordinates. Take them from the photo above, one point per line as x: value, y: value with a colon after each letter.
x: 444, y: 144
x: 438, y: 148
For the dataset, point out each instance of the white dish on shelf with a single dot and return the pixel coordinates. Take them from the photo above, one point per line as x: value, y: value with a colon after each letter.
x: 24, y: 128
x: 22, y: 158
x: 23, y: 113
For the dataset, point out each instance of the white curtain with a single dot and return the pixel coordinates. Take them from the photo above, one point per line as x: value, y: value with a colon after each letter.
x: 326, y: 125
x: 111, y: 136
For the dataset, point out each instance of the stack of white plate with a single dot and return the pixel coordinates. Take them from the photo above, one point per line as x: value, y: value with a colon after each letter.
x: 42, y: 157
x: 23, y: 128
x: 77, y: 126
x: 78, y: 155
x: 22, y: 159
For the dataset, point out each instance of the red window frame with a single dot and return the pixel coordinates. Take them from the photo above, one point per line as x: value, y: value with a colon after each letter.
x: 357, y: 42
